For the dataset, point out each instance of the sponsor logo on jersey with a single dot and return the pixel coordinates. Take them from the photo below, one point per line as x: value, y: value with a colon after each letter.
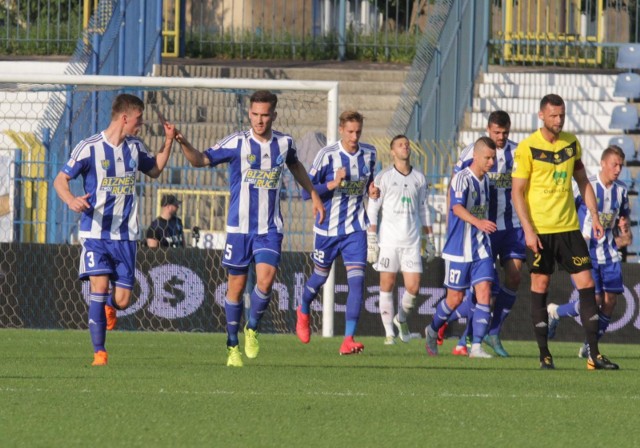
x: 559, y: 177
x: 479, y: 211
x: 119, y: 185
x: 580, y: 261
x: 607, y: 219
x: 353, y: 188
x: 500, y: 180
x: 266, y: 179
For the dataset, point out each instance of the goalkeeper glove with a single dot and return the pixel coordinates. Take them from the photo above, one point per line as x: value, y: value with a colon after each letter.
x: 373, y: 250
x: 429, y: 248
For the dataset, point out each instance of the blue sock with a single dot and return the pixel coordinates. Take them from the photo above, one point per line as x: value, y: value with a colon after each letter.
x: 441, y: 316
x: 311, y: 288
x: 97, y: 320
x: 468, y: 329
x: 501, y: 309
x: 233, y: 312
x: 481, y: 318
x: 355, y: 282
x: 463, y: 309
x: 603, y: 323
x: 571, y: 309
x: 259, y: 304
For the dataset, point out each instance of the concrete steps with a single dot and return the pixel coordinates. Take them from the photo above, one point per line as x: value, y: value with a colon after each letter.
x: 588, y: 98
x: 373, y: 92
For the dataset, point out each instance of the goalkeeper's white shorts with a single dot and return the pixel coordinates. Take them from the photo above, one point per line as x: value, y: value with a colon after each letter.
x: 399, y: 259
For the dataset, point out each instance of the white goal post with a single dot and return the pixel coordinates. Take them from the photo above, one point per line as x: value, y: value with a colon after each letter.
x: 54, y: 83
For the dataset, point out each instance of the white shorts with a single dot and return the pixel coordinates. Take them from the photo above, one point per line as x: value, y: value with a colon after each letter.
x: 399, y: 259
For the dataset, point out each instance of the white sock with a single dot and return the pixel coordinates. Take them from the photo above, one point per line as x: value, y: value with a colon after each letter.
x: 386, y: 312
x: 406, y: 306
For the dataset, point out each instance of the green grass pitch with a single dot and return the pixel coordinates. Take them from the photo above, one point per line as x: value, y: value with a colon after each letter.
x: 173, y: 389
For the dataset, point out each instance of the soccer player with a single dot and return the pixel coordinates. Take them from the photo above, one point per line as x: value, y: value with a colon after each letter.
x: 613, y: 207
x: 256, y: 158
x: 467, y: 251
x: 394, y: 245
x: 342, y: 173
x: 108, y: 162
x: 507, y: 242
x: 166, y: 230
x: 542, y: 195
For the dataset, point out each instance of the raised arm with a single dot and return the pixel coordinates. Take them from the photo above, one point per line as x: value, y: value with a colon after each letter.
x: 162, y: 157
x: 195, y: 157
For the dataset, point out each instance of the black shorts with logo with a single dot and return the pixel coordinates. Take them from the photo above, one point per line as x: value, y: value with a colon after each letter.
x: 569, y: 249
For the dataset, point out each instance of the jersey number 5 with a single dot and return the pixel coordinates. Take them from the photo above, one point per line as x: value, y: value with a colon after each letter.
x: 227, y: 251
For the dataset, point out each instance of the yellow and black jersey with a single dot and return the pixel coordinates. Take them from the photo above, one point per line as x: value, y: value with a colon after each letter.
x: 549, y: 168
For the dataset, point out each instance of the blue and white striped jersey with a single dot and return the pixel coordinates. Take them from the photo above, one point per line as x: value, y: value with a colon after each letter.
x: 109, y: 175
x: 501, y: 210
x: 255, y: 179
x: 344, y: 206
x: 465, y: 243
x: 613, y: 202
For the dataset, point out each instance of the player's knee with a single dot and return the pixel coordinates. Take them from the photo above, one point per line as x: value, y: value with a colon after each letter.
x: 122, y: 298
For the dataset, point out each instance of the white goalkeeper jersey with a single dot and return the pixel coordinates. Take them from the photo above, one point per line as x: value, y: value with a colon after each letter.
x: 402, y: 206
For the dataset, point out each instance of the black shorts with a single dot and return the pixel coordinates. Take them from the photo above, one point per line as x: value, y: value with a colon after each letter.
x: 569, y: 249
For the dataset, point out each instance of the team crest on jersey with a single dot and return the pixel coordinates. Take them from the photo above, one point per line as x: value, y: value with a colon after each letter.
x: 132, y: 164
x: 474, y: 195
x: 251, y: 159
x: 280, y: 160
x: 105, y: 164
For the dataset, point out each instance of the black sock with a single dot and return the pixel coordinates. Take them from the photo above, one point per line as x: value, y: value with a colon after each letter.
x: 540, y: 318
x: 589, y: 317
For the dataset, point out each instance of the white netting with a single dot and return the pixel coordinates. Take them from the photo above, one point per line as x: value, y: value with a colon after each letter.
x: 177, y: 289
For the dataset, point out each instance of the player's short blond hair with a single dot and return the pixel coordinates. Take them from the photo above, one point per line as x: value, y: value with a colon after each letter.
x: 351, y: 115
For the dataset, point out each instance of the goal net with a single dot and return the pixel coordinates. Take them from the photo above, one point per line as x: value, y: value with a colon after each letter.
x: 42, y: 118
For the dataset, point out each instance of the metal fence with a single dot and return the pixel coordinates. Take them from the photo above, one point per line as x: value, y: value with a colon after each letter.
x: 567, y: 33
x: 380, y: 30
x: 439, y: 85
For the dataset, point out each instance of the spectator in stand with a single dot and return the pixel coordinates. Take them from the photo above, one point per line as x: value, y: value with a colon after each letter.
x: 166, y: 230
